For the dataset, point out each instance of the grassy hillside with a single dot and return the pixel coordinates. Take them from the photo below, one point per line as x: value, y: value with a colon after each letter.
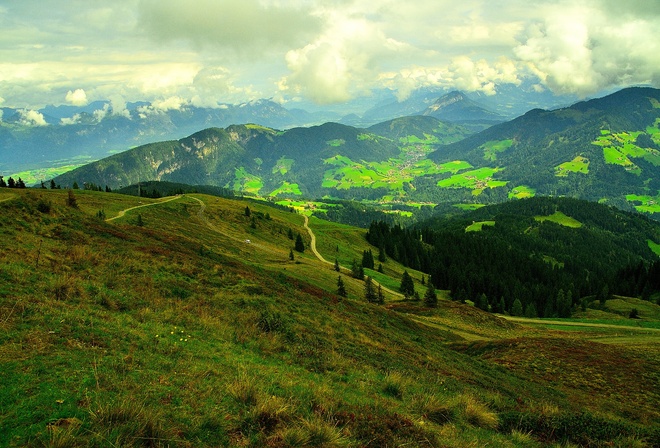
x: 183, y: 322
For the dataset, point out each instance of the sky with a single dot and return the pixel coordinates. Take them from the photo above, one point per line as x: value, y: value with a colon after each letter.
x: 209, y: 52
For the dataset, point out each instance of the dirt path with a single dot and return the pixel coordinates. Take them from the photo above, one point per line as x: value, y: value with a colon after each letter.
x: 123, y: 212
x: 323, y: 260
x: 11, y: 196
x: 525, y: 320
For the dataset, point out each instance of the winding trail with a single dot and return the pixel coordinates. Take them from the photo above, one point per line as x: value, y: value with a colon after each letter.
x: 123, y: 212
x: 11, y: 196
x: 526, y: 320
x: 323, y: 260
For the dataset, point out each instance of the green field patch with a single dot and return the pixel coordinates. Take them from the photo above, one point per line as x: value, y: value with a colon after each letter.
x: 619, y: 147
x: 655, y: 247
x: 336, y: 142
x: 561, y: 219
x: 244, y: 181
x: 455, y: 166
x: 287, y: 188
x: 577, y: 165
x: 645, y: 203
x: 363, y: 137
x: 478, y: 226
x: 522, y: 192
x: 283, y: 165
x: 476, y: 180
x: 31, y: 177
x: 493, y: 147
x: 391, y: 174
x: 615, y: 157
x: 655, y: 103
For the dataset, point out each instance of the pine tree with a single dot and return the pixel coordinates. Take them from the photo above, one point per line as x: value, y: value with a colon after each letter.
x: 430, y: 296
x: 139, y: 221
x: 369, y: 291
x: 290, y: 234
x: 3, y: 184
x: 516, y: 308
x: 300, y: 245
x: 52, y: 184
x: 356, y: 270
x: 337, y: 267
x: 291, y: 257
x: 367, y: 259
x: 341, y: 288
x: 75, y: 185
x: 380, y: 267
x: 20, y: 183
x: 482, y: 302
x: 71, y: 200
x: 407, y: 287
x: 381, y: 254
x: 11, y: 183
x: 247, y: 211
x: 530, y: 311
x: 381, y: 297
x: 43, y: 185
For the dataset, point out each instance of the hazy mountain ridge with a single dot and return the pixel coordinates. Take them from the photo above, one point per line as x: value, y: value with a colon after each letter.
x: 590, y: 150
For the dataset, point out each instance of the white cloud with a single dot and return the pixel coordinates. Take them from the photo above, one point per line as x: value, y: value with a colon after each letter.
x: 32, y: 118
x: 69, y: 121
x: 210, y: 52
x: 579, y: 49
x: 76, y: 97
x: 242, y: 25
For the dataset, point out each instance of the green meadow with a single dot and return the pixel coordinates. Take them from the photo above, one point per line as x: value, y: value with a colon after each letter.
x: 184, y: 322
x: 476, y: 180
x: 478, y: 226
x: 645, y: 203
x: 522, y: 192
x: 391, y: 174
x: 492, y: 148
x: 561, y: 219
x: 578, y: 165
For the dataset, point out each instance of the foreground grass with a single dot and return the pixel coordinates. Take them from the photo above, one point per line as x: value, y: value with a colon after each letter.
x: 180, y: 333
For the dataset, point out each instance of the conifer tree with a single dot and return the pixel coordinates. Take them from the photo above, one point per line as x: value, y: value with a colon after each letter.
x: 381, y: 297
x: 300, y: 245
x: 43, y: 185
x: 341, y: 288
x: 516, y: 308
x: 71, y: 200
x: 530, y: 311
x: 3, y: 184
x: 52, y: 184
x: 337, y: 268
x: 482, y: 302
x: 247, y: 211
x: 11, y: 183
x: 139, y: 221
x: 290, y: 233
x: 407, y: 287
x: 369, y: 291
x: 357, y: 270
x: 75, y: 185
x: 430, y: 296
x: 20, y: 183
x: 367, y: 259
x: 291, y: 257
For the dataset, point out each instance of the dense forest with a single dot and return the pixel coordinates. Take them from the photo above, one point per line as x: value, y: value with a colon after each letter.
x: 522, y: 262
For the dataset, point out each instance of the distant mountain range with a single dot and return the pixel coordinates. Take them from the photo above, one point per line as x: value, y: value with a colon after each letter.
x: 604, y: 150
x: 67, y: 135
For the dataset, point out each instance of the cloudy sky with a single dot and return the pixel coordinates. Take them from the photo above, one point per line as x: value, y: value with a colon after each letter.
x: 206, y: 52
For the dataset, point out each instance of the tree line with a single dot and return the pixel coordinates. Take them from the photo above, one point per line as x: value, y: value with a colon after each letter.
x: 525, y: 267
